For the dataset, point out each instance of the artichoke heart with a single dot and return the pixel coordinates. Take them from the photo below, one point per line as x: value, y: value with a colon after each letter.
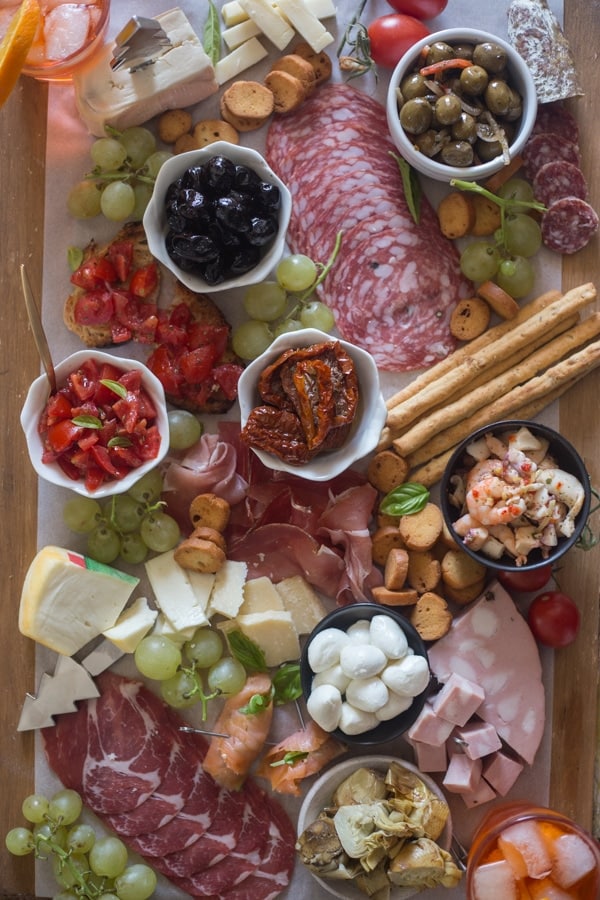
x: 362, y: 786
x: 426, y: 812
x: 423, y: 864
x: 375, y: 884
x: 370, y: 828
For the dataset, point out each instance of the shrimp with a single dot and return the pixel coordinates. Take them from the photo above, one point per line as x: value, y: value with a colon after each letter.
x: 229, y: 759
x: 319, y: 749
x: 567, y: 489
x: 492, y: 501
x: 472, y: 532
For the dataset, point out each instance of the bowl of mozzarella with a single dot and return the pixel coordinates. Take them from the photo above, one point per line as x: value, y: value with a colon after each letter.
x: 365, y: 674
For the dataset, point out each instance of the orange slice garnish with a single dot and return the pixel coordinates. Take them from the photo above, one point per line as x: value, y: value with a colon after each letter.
x: 15, y: 45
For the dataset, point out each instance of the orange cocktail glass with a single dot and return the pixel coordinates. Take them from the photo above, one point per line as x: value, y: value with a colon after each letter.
x: 525, y: 852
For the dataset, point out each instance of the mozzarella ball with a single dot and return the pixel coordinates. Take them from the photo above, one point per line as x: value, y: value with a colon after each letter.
x: 368, y: 694
x: 334, y: 676
x: 355, y: 721
x: 324, y: 649
x: 360, y: 631
x: 387, y: 634
x: 325, y: 706
x: 408, y: 676
x: 361, y: 660
x: 395, y: 706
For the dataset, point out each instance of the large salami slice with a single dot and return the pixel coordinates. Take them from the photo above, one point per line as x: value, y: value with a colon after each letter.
x: 545, y: 147
x: 559, y: 179
x: 556, y: 118
x: 568, y: 224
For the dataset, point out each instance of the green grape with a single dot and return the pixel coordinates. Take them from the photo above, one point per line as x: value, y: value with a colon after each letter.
x: 159, y: 531
x: 142, y: 193
x: 109, y: 896
x: 117, y: 201
x: 286, y: 326
x: 108, y: 153
x: 125, y: 513
x: 522, y: 235
x: 227, y: 676
x: 480, y: 261
x: 296, y: 272
x: 179, y: 691
x: 154, y: 162
x: 81, y: 838
x: 265, y: 302
x: 19, y: 841
x: 316, y: 315
x: 133, y: 549
x: 137, y: 882
x: 149, y: 487
x: 516, y: 189
x: 139, y: 144
x: 83, y: 200
x: 518, y: 279
x: 103, y: 544
x: 65, y: 895
x: 35, y: 808
x: 184, y: 429
x: 157, y: 657
x: 65, y: 806
x: 47, y: 831
x: 251, y: 338
x: 82, y: 514
x: 68, y: 872
x: 205, y: 648
x: 108, y: 857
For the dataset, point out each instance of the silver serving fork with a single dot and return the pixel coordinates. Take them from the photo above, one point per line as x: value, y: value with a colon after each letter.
x: 139, y: 43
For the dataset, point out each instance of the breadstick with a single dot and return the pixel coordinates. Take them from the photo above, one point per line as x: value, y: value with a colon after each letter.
x: 461, y: 375
x: 470, y: 402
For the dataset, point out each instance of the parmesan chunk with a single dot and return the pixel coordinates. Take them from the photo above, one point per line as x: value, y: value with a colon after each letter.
x: 274, y: 633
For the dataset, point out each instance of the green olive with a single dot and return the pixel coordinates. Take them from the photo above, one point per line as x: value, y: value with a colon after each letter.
x: 515, y: 109
x: 428, y: 142
x: 463, y: 51
x: 457, y: 153
x: 498, y: 97
x: 438, y: 51
x: 414, y: 85
x: 416, y: 115
x: 491, y: 56
x: 447, y: 109
x: 465, y: 128
x: 473, y: 81
x: 487, y: 150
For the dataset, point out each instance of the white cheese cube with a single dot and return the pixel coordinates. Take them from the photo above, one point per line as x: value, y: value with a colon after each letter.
x: 260, y: 595
x: 311, y: 29
x: 274, y: 633
x: 302, y: 602
x: 270, y: 21
x: 164, y: 627
x: 68, y: 599
x: 228, y: 591
x: 232, y: 13
x: 238, y: 34
x: 240, y: 59
x: 174, y: 594
x: 133, y: 624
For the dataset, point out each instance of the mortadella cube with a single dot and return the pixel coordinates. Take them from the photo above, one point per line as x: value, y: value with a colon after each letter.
x: 501, y: 772
x: 483, y: 793
x: 458, y: 700
x: 478, y: 739
x: 463, y: 775
x: 429, y: 758
x: 429, y: 728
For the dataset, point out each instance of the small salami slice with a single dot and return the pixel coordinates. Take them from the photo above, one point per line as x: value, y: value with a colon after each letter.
x: 559, y: 179
x: 557, y: 119
x: 546, y: 147
x: 568, y: 224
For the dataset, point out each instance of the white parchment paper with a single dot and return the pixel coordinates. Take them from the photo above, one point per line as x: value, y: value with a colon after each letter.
x: 67, y: 160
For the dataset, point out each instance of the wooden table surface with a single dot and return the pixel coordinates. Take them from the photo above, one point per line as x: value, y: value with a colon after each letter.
x: 22, y: 155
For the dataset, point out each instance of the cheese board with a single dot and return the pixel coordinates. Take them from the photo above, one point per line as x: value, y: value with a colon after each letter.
x: 569, y: 793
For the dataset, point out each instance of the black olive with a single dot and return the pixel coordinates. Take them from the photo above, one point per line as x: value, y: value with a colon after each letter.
x: 262, y: 231
x: 193, y: 178
x: 244, y: 259
x: 245, y: 178
x: 219, y: 173
x: 194, y: 205
x: 269, y: 195
x: 198, y: 247
x: 215, y: 272
x: 232, y: 214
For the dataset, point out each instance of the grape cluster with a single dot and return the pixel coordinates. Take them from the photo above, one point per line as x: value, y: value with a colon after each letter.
x: 84, y: 865
x: 195, y: 673
x: 285, y: 304
x: 126, y: 525
x: 505, y: 259
x: 121, y: 182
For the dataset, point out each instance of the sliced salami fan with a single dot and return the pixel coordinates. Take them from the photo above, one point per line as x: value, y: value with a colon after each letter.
x: 559, y: 179
x: 545, y: 147
x: 557, y: 119
x: 568, y: 224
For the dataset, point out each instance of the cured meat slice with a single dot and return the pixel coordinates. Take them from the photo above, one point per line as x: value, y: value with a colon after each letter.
x: 568, y: 224
x: 556, y: 118
x: 559, y: 179
x: 546, y: 147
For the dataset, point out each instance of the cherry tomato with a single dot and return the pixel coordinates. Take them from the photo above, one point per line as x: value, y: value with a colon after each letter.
x: 535, y: 580
x: 554, y: 619
x: 391, y: 36
x: 420, y: 9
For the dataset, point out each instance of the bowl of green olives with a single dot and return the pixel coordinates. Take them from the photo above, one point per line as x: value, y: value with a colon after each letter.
x: 461, y: 104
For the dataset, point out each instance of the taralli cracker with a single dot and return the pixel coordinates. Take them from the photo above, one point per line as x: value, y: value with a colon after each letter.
x: 173, y: 124
x: 396, y: 569
x: 207, y: 131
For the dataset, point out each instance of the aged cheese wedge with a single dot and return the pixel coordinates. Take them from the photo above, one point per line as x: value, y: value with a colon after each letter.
x: 260, y: 595
x: 274, y: 633
x: 68, y: 599
x: 177, y: 595
x: 132, y: 625
x: 302, y: 602
x: 228, y: 591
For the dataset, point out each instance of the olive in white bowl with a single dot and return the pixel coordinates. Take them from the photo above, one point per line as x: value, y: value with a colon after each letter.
x: 444, y: 116
x: 103, y: 430
x: 278, y: 441
x: 218, y: 217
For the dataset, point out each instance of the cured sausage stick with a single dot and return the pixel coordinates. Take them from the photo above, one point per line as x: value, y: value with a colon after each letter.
x: 565, y: 372
x: 460, y: 375
x: 483, y: 395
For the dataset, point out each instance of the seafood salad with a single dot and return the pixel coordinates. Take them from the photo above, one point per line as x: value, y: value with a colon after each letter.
x: 514, y: 498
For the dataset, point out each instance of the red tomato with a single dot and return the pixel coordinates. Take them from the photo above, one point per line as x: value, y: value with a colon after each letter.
x: 391, y: 36
x: 144, y: 281
x: 554, y: 619
x: 514, y: 580
x: 93, y: 273
x: 420, y: 9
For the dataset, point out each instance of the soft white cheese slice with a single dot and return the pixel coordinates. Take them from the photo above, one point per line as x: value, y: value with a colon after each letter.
x: 133, y: 624
x: 163, y: 627
x: 243, y: 57
x: 238, y: 34
x: 181, y: 76
x: 68, y: 599
x: 269, y: 20
x: 228, y: 591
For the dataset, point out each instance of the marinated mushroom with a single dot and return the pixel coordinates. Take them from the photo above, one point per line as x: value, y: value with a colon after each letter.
x: 320, y: 848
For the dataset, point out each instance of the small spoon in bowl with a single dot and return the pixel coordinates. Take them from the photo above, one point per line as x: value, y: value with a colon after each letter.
x: 39, y: 334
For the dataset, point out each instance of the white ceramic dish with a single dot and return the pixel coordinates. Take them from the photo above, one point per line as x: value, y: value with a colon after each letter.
x: 521, y: 80
x: 368, y: 422
x: 319, y: 796
x: 155, y: 220
x: 36, y: 400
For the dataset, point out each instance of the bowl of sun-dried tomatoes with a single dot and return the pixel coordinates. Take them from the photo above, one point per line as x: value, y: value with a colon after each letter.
x: 311, y: 405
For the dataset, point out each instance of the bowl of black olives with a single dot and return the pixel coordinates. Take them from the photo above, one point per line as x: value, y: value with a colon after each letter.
x: 461, y: 104
x: 218, y: 217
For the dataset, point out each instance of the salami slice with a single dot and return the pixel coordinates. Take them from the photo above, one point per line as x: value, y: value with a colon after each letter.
x: 559, y: 179
x: 568, y: 225
x: 545, y: 147
x: 557, y: 119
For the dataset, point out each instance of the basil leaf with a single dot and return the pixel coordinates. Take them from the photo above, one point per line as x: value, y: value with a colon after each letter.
x: 119, y: 441
x: 286, y: 683
x: 115, y: 386
x: 212, y: 34
x: 405, y: 500
x: 411, y: 186
x: 74, y: 258
x: 256, y: 704
x: 247, y: 652
x: 87, y: 422
x: 290, y: 758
